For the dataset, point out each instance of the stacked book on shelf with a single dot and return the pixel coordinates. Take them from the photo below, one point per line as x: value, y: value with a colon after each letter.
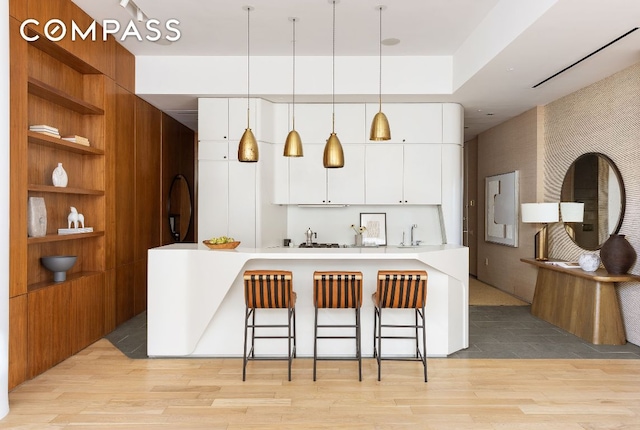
x: 45, y: 129
x: 76, y: 139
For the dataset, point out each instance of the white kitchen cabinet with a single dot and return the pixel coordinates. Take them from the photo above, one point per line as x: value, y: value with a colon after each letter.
x: 313, y: 122
x: 228, y: 206
x: 308, y: 177
x: 403, y: 174
x: 452, y: 123
x: 213, y: 201
x: 410, y: 122
x: 242, y: 203
x: 422, y: 175
x: 311, y: 183
x: 346, y: 185
x: 383, y: 174
x: 213, y: 119
x: 213, y: 150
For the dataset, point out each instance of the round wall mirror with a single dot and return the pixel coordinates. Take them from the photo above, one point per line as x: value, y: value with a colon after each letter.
x: 179, y: 209
x: 593, y: 179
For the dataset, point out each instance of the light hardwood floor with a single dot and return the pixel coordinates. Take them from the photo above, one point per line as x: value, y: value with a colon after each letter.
x: 101, y: 388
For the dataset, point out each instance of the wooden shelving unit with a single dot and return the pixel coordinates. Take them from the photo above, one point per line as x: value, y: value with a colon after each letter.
x: 56, y: 143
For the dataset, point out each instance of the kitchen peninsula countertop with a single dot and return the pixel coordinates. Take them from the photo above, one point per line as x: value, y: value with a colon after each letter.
x: 196, y: 303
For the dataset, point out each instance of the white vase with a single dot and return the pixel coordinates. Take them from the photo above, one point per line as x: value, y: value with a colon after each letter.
x: 358, y: 240
x: 59, y: 176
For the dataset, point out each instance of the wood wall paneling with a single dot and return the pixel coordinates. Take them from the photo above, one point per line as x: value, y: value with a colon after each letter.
x: 124, y: 293
x: 17, y: 340
x: 111, y: 127
x: 110, y: 305
x: 18, y: 9
x: 148, y: 167
x: 48, y: 330
x: 125, y: 168
x: 87, y: 311
x: 140, y: 286
x: 178, y: 157
x: 95, y: 53
x: 18, y: 154
x: 125, y: 68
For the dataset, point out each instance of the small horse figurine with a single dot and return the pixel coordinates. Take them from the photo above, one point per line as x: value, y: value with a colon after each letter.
x: 75, y: 218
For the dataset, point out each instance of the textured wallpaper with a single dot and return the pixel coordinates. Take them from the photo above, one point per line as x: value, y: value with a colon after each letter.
x: 603, y: 117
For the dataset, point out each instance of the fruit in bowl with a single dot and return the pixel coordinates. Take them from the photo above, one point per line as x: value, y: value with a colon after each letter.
x: 221, y: 242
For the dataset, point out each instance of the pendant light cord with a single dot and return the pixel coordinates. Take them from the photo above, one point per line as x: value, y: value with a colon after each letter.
x: 248, y: 63
x: 333, y: 73
x: 380, y: 51
x: 293, y: 92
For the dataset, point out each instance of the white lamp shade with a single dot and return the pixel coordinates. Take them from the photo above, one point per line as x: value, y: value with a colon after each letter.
x: 540, y: 212
x: 572, y: 212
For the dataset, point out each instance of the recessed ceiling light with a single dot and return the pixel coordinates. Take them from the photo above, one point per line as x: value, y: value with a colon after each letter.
x: 390, y: 41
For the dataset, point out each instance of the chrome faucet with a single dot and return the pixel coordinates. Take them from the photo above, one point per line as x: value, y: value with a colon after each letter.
x: 414, y: 226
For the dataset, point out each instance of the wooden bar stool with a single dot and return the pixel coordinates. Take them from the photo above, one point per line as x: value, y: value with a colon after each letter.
x: 337, y: 290
x: 269, y: 289
x: 406, y: 289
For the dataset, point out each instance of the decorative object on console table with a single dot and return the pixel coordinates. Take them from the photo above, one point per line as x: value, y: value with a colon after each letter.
x: 375, y: 225
x: 589, y: 262
x: 617, y: 254
x: 541, y: 213
x: 36, y: 217
x: 59, y: 176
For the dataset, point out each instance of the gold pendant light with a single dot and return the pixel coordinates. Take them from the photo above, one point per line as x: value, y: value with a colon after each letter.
x: 248, y: 146
x: 293, y: 144
x: 333, y: 155
x: 380, y: 125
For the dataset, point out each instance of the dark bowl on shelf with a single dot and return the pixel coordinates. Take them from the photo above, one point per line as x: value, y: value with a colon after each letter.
x: 59, y: 264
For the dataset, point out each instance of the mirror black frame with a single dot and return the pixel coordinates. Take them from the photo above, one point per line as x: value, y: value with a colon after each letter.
x: 623, y: 196
x: 181, y: 235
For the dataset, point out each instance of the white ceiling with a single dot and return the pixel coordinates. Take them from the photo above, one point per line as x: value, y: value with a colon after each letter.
x: 500, y: 89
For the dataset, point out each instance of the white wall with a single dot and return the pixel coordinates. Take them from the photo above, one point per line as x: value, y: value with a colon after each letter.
x: 4, y: 209
x: 333, y: 224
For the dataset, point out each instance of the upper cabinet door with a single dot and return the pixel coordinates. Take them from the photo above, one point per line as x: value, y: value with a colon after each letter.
x: 350, y: 123
x: 422, y: 174
x: 238, y: 118
x: 313, y: 122
x: 410, y: 122
x: 213, y: 119
x: 452, y: 123
x: 345, y: 186
x: 308, y: 177
x: 383, y: 174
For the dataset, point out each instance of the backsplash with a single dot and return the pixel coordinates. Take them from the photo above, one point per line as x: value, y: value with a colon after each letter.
x: 333, y: 224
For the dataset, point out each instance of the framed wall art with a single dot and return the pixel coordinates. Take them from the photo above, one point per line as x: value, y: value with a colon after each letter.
x: 376, y: 229
x: 501, y: 209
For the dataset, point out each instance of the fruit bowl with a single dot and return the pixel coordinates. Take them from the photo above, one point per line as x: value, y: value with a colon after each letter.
x: 228, y: 245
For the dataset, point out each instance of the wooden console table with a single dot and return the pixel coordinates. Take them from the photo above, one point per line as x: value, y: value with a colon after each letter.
x: 582, y: 303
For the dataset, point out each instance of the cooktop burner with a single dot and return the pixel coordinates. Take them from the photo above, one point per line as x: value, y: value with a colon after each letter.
x: 319, y: 245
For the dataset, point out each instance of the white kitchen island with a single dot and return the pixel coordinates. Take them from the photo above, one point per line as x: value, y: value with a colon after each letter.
x: 196, y: 298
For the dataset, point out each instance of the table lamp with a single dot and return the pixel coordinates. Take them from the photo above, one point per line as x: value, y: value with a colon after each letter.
x: 541, y: 213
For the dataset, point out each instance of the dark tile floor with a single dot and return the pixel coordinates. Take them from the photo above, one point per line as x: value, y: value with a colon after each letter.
x: 494, y: 332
